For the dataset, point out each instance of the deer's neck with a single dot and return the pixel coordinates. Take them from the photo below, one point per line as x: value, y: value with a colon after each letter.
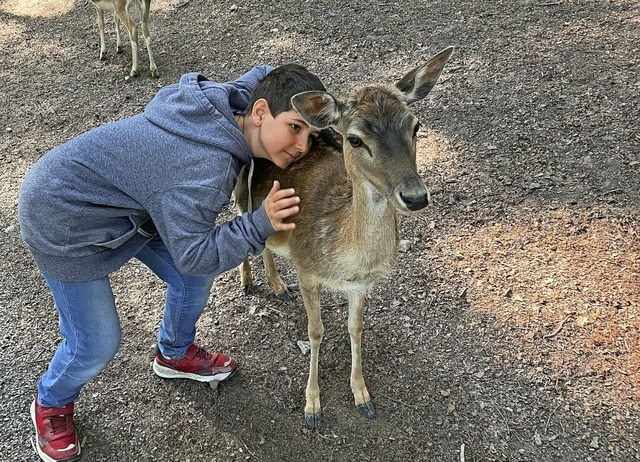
x: 373, y: 221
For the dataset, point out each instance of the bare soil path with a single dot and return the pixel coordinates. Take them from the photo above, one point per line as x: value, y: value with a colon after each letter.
x: 510, y: 330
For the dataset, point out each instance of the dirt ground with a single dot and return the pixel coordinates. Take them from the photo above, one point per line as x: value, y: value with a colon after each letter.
x: 510, y: 329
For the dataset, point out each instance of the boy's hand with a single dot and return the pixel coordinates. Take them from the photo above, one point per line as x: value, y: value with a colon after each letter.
x: 281, y: 204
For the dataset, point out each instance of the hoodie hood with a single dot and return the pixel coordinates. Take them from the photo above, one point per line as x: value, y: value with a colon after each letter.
x: 196, y: 102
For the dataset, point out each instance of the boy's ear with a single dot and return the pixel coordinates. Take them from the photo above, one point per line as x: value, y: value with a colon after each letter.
x: 259, y: 110
x: 318, y: 108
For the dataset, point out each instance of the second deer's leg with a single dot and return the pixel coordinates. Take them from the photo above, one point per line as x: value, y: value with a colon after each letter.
x: 144, y: 13
x: 123, y: 15
x: 116, y: 24
x: 358, y: 387
x: 311, y: 296
x: 103, y: 45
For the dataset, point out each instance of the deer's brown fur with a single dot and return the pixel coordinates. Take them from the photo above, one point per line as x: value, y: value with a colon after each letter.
x: 346, y: 234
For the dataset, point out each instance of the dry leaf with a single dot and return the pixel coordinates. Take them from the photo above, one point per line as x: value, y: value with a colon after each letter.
x: 582, y: 321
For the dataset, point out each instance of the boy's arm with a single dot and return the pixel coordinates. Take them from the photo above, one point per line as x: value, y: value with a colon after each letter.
x: 197, y: 245
x: 250, y: 79
x: 244, y: 85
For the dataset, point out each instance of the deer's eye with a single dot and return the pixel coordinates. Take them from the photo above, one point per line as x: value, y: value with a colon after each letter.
x: 354, y: 141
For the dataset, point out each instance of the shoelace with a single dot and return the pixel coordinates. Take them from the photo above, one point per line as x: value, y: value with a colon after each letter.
x: 58, y: 423
x: 203, y: 354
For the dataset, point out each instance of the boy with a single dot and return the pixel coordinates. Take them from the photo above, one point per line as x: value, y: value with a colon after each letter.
x: 150, y: 187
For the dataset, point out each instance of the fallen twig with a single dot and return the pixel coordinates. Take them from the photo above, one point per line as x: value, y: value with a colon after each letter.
x: 39, y: 355
x: 247, y: 448
x: 606, y: 193
x: 505, y: 420
x: 546, y: 426
x: 558, y: 327
x: 432, y: 299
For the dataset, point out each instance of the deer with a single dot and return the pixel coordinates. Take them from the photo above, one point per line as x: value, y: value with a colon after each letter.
x: 346, y: 235
x: 122, y: 12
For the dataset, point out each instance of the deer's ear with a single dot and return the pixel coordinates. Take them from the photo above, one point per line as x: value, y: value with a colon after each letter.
x: 418, y: 83
x: 319, y: 108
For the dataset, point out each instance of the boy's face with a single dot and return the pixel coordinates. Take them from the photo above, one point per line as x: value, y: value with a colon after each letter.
x: 285, y: 138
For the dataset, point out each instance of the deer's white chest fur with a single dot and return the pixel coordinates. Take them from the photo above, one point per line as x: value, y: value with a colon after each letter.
x: 369, y: 246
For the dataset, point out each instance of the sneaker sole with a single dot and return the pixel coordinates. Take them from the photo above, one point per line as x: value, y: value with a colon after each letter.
x: 167, y: 373
x: 36, y: 446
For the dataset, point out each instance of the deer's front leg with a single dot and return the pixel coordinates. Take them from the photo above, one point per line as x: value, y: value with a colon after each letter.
x: 358, y: 387
x: 311, y: 296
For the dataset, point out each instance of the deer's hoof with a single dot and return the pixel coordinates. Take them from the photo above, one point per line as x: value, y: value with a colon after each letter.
x: 367, y: 410
x: 119, y: 49
x: 313, y: 420
x: 155, y: 73
x: 289, y: 293
x: 133, y: 73
x: 246, y: 290
x: 286, y: 296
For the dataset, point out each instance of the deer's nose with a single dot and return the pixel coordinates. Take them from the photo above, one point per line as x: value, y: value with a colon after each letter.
x: 414, y: 203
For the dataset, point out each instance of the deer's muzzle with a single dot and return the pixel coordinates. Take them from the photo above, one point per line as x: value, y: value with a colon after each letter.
x: 416, y: 202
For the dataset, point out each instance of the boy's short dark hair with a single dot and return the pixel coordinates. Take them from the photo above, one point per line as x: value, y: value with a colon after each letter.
x: 281, y: 84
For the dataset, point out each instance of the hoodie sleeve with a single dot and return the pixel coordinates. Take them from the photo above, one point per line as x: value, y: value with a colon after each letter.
x: 248, y: 81
x: 197, y: 245
x: 241, y: 89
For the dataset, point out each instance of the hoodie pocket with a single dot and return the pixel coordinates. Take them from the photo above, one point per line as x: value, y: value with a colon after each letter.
x: 118, y: 241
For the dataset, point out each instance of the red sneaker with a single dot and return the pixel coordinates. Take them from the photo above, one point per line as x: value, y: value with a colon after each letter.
x: 197, y: 364
x: 56, y: 438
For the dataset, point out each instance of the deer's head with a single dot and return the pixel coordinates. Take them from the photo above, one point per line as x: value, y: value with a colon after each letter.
x: 379, y: 132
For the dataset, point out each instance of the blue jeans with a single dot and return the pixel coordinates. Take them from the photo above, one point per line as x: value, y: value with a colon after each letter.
x: 90, y: 325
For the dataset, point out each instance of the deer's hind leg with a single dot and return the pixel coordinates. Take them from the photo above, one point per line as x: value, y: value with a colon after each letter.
x: 123, y: 15
x: 246, y: 278
x: 311, y: 296
x: 103, y: 45
x: 356, y: 323
x: 116, y: 25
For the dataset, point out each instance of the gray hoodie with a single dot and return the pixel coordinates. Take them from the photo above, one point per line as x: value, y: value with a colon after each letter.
x: 82, y: 205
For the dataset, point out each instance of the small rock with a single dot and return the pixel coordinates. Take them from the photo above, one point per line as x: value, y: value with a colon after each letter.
x: 304, y: 346
x: 404, y: 245
x: 537, y: 439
